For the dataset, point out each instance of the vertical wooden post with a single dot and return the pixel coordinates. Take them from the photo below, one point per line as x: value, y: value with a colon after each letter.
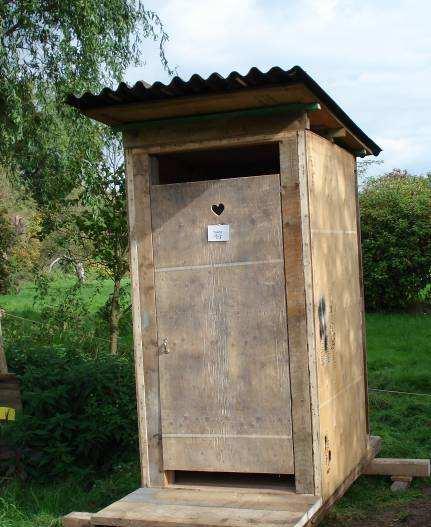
x: 361, y: 288
x: 144, y: 318
x: 297, y: 269
x: 3, y: 363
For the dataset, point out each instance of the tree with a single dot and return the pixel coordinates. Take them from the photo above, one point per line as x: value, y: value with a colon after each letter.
x: 396, y: 239
x: 48, y: 49
x: 19, y: 229
x: 7, y: 239
x: 103, y: 222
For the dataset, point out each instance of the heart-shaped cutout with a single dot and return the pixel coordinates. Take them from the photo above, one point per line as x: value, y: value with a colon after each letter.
x: 217, y: 209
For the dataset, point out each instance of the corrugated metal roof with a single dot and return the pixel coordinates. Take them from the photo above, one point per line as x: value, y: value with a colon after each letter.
x: 216, y: 83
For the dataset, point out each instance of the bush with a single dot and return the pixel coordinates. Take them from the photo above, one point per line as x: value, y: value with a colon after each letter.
x: 79, y: 411
x: 396, y: 239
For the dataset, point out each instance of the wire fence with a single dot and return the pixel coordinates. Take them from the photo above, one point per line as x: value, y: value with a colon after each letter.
x: 376, y: 390
x: 398, y: 392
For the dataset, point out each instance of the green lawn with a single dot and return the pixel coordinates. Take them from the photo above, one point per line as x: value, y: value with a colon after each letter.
x: 399, y: 359
x: 25, y: 307
x: 95, y: 291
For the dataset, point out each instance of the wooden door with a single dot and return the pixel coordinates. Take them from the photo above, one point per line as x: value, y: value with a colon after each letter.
x: 222, y: 328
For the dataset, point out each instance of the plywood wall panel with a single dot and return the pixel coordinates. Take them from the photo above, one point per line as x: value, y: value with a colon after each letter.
x: 338, y: 317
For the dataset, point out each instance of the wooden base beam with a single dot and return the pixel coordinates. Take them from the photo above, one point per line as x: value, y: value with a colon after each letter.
x: 413, y: 468
x: 77, y: 519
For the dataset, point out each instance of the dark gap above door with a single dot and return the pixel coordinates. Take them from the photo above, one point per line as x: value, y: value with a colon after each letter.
x: 235, y: 479
x: 202, y: 165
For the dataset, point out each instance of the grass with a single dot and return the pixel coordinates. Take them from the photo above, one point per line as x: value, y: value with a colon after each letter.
x: 95, y: 291
x: 399, y: 359
x: 24, y: 308
x: 35, y: 505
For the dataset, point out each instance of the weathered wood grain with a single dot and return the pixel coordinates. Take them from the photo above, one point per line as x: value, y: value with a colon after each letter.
x: 196, y: 508
x: 224, y: 372
x: 418, y: 468
x: 292, y: 216
x: 144, y: 317
x: 338, y: 306
x: 77, y: 519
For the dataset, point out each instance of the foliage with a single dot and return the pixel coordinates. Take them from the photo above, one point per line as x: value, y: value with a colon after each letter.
x: 7, y: 238
x: 19, y: 228
x: 79, y: 410
x: 363, y: 165
x: 100, y: 226
x: 102, y: 218
x: 66, y: 313
x: 399, y: 354
x: 396, y: 239
x: 49, y: 49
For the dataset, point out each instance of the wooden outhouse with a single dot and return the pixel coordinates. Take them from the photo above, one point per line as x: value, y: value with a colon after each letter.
x: 247, y: 298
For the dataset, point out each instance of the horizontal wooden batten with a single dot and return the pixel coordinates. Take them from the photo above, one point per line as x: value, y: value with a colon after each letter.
x: 201, y: 104
x: 419, y: 468
x: 216, y: 133
x: 279, y: 109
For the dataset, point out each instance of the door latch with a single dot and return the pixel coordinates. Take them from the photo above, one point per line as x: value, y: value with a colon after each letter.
x: 164, y: 350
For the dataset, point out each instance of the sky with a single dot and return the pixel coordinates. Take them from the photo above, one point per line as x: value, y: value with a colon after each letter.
x: 372, y: 57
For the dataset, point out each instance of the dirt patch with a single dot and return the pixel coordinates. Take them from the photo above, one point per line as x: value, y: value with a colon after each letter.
x: 414, y: 514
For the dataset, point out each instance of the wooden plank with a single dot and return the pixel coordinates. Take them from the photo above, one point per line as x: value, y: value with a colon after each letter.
x: 215, y: 497
x: 144, y: 317
x: 218, y: 131
x: 362, y: 301
x: 417, y: 468
x: 197, y: 508
x: 10, y: 391
x: 182, y: 213
x: 309, y: 300
x: 8, y: 378
x: 338, y: 310
x: 266, y: 112
x: 225, y: 377
x: 297, y: 315
x: 77, y: 519
x: 202, y: 104
x: 149, y: 515
x: 236, y: 100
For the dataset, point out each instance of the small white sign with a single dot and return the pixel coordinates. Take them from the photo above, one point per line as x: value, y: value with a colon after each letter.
x: 218, y: 233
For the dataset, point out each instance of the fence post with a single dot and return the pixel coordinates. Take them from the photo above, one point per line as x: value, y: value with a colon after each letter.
x: 3, y: 363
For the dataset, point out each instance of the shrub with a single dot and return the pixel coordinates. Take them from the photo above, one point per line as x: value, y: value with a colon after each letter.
x: 79, y: 411
x: 396, y: 239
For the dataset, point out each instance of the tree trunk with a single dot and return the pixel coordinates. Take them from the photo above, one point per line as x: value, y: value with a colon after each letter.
x: 3, y: 364
x: 80, y: 271
x: 114, y: 318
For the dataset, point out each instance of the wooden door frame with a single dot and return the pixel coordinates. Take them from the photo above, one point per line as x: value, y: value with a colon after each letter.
x: 139, y: 173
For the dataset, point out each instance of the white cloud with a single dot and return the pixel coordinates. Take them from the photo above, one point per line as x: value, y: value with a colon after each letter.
x: 374, y: 58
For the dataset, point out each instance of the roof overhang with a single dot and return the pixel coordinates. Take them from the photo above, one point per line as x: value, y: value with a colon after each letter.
x: 141, y: 104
